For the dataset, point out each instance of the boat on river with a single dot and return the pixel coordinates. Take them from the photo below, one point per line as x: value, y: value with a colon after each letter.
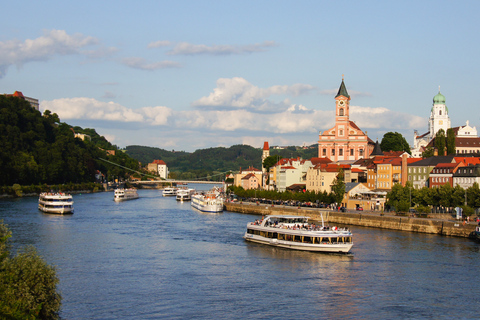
x: 210, y: 201
x: 122, y: 194
x: 184, y: 194
x: 57, y: 203
x: 169, y: 192
x: 295, y: 232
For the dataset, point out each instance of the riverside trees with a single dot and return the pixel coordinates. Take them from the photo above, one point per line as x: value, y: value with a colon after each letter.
x: 27, y: 283
x: 443, y: 198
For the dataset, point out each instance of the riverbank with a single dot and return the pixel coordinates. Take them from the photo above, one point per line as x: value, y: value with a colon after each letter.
x: 445, y: 227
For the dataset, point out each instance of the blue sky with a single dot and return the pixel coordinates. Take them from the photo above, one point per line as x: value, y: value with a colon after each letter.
x: 187, y: 75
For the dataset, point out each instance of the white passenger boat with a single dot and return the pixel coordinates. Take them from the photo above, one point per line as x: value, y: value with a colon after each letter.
x: 184, y: 194
x: 122, y: 194
x: 295, y: 232
x: 58, y: 203
x: 169, y: 191
x: 211, y: 201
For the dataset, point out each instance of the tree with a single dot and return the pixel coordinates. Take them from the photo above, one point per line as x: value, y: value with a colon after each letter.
x: 27, y: 284
x: 270, y: 161
x: 440, y: 142
x: 451, y: 142
x: 429, y: 152
x: 338, y: 187
x: 394, y: 141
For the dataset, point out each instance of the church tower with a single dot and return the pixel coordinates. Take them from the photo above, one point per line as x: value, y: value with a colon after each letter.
x: 345, y: 141
x: 265, y: 154
x: 439, y: 118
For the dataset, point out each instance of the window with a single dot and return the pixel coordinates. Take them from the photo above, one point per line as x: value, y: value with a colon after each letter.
x: 340, y: 132
x: 340, y: 113
x: 360, y: 152
x: 440, y: 112
x: 340, y: 152
x: 333, y: 152
x: 324, y: 152
x: 352, y: 152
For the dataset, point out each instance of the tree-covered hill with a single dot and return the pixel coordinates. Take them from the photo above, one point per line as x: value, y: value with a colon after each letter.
x: 219, y: 159
x: 38, y: 149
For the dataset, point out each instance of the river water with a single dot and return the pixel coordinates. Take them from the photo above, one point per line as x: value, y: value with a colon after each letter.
x: 155, y: 258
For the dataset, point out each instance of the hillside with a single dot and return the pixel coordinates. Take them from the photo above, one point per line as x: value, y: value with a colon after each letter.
x: 39, y: 149
x: 217, y: 159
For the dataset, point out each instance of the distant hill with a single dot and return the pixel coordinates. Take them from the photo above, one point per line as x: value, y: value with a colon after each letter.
x: 218, y: 159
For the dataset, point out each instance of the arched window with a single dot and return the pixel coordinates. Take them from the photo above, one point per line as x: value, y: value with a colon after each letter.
x: 440, y: 112
x: 340, y: 113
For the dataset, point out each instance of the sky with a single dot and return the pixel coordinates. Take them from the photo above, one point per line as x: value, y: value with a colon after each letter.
x: 188, y: 75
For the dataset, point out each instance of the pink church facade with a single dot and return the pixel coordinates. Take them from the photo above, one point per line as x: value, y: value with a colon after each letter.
x: 345, y: 141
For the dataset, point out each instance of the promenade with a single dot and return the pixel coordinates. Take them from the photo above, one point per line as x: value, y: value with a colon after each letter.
x: 441, y: 226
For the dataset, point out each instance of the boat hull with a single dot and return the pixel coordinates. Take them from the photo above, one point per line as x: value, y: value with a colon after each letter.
x: 329, y: 248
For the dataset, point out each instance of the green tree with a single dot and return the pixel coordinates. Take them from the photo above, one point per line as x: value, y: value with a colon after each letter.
x: 451, y: 141
x: 429, y: 152
x: 27, y: 284
x: 440, y: 142
x: 394, y: 141
x: 338, y: 187
x: 270, y: 161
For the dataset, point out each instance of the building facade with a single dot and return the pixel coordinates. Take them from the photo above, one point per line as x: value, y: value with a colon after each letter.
x: 345, y: 141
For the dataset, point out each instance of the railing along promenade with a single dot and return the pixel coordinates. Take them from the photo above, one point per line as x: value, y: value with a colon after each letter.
x: 445, y: 227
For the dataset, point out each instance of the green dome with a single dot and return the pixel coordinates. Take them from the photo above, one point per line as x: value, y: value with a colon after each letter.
x: 439, y: 99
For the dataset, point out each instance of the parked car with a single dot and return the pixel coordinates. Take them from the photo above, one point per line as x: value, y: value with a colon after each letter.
x: 359, y: 209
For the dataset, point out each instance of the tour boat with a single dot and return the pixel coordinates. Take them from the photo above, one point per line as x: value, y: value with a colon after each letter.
x: 58, y: 203
x: 295, y: 232
x: 184, y: 194
x: 169, y: 191
x: 211, y: 201
x: 122, y: 194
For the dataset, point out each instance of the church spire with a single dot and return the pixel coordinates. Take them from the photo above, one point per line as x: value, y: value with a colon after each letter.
x: 342, y: 91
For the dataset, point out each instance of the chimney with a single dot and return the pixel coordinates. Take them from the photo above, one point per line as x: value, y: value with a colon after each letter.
x: 404, y: 169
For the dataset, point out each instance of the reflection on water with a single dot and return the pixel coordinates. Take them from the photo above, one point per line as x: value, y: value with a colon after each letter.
x: 156, y: 258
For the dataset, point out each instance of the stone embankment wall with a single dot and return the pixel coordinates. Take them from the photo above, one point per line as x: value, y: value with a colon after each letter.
x: 374, y: 220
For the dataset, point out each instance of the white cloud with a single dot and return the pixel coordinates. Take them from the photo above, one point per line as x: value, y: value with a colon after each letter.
x: 89, y: 108
x: 185, y: 48
x: 53, y: 42
x: 383, y: 118
x: 158, y: 44
x: 239, y: 93
x: 142, y: 64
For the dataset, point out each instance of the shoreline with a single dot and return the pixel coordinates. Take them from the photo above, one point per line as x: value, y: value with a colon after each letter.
x: 444, y: 227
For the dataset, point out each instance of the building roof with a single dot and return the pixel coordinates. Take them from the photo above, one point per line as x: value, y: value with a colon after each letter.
x: 377, y: 151
x: 466, y: 142
x: 432, y: 161
x: 248, y: 176
x: 316, y: 161
x: 342, y: 91
x: 159, y: 162
x: 250, y: 169
x: 468, y: 160
x: 468, y: 171
x: 265, y: 146
x: 350, y: 185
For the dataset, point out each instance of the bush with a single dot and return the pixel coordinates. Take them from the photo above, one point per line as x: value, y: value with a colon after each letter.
x: 27, y: 284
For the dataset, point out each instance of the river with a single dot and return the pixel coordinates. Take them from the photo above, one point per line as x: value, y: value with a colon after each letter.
x: 155, y: 258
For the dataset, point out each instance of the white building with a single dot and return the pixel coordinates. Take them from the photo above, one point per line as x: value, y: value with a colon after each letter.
x: 439, y: 119
x: 290, y: 172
